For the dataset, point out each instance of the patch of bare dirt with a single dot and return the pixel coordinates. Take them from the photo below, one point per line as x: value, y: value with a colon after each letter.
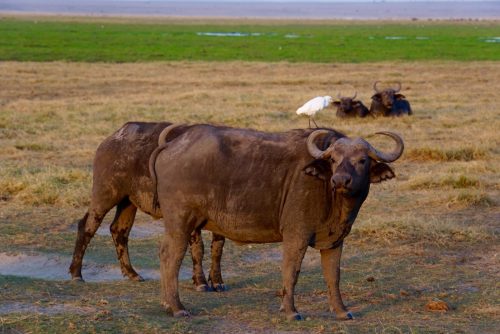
x: 55, y: 267
x: 139, y: 231
x: 17, y: 307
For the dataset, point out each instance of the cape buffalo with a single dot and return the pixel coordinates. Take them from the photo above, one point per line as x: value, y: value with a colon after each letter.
x: 121, y: 178
x: 388, y: 102
x: 349, y: 107
x: 301, y: 187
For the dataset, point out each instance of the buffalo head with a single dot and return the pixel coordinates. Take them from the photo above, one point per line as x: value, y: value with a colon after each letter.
x: 350, y: 107
x: 387, y: 96
x: 345, y: 103
x: 352, y: 163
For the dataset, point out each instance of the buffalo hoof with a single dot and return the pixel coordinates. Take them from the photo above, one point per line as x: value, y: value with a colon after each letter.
x: 137, y: 278
x: 202, y: 288
x: 345, y: 316
x: 295, y: 316
x: 78, y: 279
x: 219, y: 287
x: 182, y: 314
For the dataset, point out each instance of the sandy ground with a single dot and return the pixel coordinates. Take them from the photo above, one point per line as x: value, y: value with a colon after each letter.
x: 44, y: 309
x: 55, y: 267
x: 139, y: 231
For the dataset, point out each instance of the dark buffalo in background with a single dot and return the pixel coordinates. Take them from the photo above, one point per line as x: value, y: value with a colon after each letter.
x: 301, y: 187
x: 350, y: 107
x: 121, y: 179
x: 389, y: 102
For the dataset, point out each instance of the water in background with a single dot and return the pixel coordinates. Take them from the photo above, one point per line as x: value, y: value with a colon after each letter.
x: 305, y: 10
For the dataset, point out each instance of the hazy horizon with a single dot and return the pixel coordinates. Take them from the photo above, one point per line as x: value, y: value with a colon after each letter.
x: 296, y: 9
x: 345, y: 1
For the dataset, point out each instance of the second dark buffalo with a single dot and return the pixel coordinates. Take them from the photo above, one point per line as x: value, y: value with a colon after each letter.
x: 121, y: 179
x: 348, y: 107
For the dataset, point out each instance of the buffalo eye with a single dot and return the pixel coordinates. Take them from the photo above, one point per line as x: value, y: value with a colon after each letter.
x: 362, y: 161
x: 332, y: 160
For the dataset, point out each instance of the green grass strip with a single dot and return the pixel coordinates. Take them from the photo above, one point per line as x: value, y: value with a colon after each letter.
x: 349, y: 41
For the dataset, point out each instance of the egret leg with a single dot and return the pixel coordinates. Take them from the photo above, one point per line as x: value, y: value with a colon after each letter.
x: 309, y: 122
x: 314, y: 123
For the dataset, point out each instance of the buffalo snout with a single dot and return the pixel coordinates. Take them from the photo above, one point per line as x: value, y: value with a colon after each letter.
x: 341, y: 181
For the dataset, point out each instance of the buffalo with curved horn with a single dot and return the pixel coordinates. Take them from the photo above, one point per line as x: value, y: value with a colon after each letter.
x: 389, y: 102
x: 303, y: 188
x: 350, y: 107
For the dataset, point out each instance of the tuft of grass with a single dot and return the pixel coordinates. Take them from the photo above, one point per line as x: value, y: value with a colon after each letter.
x: 438, y: 154
x: 414, y: 228
x: 474, y: 200
x: 462, y: 181
x: 11, y: 187
x: 46, y: 186
x: 33, y: 147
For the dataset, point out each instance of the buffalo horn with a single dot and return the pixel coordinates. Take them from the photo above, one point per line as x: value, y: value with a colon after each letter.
x: 390, y: 156
x: 399, y: 87
x: 375, y: 86
x: 314, y: 151
x: 355, y: 94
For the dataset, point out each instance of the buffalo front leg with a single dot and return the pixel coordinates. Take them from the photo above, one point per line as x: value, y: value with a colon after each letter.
x: 293, y: 254
x: 87, y: 227
x: 172, y: 250
x: 330, y: 262
x: 215, y: 276
x: 197, y: 252
x: 120, y: 230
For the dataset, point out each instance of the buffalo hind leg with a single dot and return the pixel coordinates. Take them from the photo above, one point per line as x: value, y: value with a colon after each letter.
x: 197, y: 252
x: 215, y: 277
x: 120, y: 230
x: 330, y: 262
x: 293, y: 254
x: 87, y: 227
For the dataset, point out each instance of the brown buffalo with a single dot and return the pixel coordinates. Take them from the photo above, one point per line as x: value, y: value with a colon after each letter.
x: 350, y: 107
x: 121, y: 179
x: 389, y: 102
x: 301, y: 187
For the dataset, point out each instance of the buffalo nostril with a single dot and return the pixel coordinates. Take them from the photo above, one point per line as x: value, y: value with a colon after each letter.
x: 337, y: 181
x: 348, y: 181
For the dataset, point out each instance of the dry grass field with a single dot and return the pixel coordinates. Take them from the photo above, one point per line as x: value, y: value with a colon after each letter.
x: 431, y: 235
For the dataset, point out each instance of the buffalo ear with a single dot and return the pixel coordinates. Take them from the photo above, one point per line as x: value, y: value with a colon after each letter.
x: 336, y: 103
x: 355, y: 103
x: 318, y: 168
x: 380, y: 171
x: 399, y: 96
x: 376, y: 97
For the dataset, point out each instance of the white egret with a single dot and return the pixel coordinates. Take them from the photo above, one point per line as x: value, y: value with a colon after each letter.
x: 311, y: 107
